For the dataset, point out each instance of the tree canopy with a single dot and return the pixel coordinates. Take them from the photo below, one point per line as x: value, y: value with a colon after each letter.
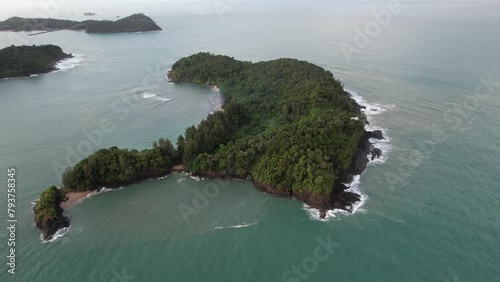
x: 286, y: 122
x: 116, y: 167
x: 133, y: 23
x: 19, y: 61
x: 49, y: 215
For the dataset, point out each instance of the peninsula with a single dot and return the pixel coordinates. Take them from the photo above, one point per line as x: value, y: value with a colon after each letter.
x: 287, y: 125
x: 133, y: 23
x: 23, y: 61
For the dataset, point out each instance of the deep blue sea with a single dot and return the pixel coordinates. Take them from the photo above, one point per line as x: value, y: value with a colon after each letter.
x: 429, y: 76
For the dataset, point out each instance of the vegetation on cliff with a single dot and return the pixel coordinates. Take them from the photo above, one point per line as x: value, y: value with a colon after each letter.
x: 20, y: 61
x: 48, y: 213
x: 287, y: 123
x: 133, y: 23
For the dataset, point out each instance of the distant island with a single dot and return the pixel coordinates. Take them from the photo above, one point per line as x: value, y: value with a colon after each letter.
x: 133, y: 23
x: 23, y: 61
x: 287, y: 125
x: 89, y: 14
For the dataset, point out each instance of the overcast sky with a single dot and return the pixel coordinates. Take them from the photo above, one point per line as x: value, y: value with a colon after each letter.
x: 63, y: 8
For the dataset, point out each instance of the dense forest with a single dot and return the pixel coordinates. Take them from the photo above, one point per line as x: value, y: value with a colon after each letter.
x: 287, y: 124
x: 21, y: 61
x: 116, y: 167
x: 133, y: 23
x: 48, y: 212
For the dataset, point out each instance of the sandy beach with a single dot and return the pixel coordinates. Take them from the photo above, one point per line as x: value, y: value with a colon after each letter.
x: 73, y: 198
x: 178, y: 168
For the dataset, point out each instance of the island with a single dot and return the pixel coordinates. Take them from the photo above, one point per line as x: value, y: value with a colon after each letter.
x: 49, y: 215
x: 89, y: 14
x: 286, y: 125
x: 23, y: 61
x: 133, y: 23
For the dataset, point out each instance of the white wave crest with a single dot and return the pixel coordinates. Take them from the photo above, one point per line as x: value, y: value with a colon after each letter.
x: 370, y: 110
x: 100, y: 191
x: 70, y: 63
x: 147, y: 95
x: 59, y: 234
x: 384, y: 145
x: 353, y: 187
x: 162, y: 177
x: 197, y: 178
x: 235, y: 226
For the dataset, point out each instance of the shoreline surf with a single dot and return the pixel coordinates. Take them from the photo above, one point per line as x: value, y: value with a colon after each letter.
x: 354, y: 186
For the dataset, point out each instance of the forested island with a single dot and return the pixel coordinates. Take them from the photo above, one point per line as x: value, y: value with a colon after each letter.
x: 287, y: 125
x: 48, y: 212
x: 22, y: 61
x: 133, y: 23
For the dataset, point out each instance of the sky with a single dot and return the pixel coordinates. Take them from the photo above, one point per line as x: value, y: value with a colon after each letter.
x: 65, y: 8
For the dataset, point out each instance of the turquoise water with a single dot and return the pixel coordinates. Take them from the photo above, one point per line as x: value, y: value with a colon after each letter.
x: 432, y: 210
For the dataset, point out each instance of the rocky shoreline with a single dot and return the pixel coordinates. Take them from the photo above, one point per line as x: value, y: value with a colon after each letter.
x: 53, y: 65
x: 49, y: 215
x: 50, y: 228
x: 339, y: 197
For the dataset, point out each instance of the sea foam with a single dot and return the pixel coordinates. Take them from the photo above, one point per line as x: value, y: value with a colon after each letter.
x: 384, y: 145
x: 243, y: 225
x: 353, y: 187
x: 59, y: 234
x: 147, y: 95
x: 372, y: 110
x: 70, y: 63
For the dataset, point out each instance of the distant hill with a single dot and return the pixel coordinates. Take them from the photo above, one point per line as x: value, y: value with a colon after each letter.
x: 22, y: 61
x: 133, y: 23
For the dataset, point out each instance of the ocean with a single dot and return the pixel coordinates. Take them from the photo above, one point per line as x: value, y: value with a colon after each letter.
x: 429, y: 76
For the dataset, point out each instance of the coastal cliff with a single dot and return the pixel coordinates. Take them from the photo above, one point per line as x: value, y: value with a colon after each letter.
x: 338, y: 198
x: 49, y: 215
